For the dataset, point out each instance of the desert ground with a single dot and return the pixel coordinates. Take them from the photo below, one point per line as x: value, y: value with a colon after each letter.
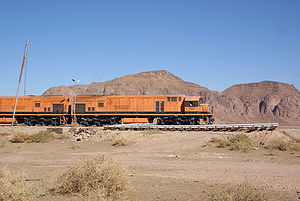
x: 167, y: 165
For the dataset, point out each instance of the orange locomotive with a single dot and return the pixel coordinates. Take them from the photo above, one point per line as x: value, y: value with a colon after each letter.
x: 100, y: 110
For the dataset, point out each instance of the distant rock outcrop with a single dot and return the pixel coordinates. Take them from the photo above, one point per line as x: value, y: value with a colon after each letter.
x: 265, y: 101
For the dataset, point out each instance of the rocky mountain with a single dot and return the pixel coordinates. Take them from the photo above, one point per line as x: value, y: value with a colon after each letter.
x: 145, y: 83
x: 265, y: 101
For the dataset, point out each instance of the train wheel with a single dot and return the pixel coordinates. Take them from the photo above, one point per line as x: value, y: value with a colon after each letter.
x: 54, y: 122
x: 27, y: 122
x: 178, y: 121
x: 42, y: 121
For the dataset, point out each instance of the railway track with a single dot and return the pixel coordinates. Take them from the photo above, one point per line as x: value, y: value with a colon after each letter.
x: 216, y: 127
x: 212, y: 127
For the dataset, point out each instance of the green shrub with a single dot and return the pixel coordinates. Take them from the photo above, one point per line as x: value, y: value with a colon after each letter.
x: 242, y: 192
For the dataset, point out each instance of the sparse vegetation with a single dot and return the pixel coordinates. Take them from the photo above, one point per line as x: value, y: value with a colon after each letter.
x: 98, y: 177
x: 278, y: 145
x: 151, y: 131
x: 20, y: 137
x: 283, y: 146
x: 120, y: 142
x: 237, y: 142
x: 13, y: 186
x: 42, y: 137
x: 243, y: 191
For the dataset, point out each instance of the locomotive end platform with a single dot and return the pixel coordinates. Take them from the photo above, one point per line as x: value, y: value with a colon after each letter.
x: 216, y: 127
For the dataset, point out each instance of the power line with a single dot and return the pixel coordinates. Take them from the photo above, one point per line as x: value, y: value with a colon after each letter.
x: 106, y: 50
x: 117, y: 45
x: 295, y: 79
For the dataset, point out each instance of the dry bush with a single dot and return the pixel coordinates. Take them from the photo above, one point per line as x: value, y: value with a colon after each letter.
x: 242, y: 192
x: 151, y: 131
x: 98, y: 177
x: 42, y: 137
x: 120, y: 142
x: 237, y: 142
x: 279, y: 145
x: 13, y: 186
x: 20, y: 137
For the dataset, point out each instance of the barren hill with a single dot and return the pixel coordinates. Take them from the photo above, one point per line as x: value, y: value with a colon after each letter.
x: 145, y: 83
x: 265, y: 101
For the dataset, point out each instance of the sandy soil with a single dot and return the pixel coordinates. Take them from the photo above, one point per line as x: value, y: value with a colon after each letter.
x: 171, y: 165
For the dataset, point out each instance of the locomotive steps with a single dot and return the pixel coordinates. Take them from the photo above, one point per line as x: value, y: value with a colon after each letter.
x: 216, y: 127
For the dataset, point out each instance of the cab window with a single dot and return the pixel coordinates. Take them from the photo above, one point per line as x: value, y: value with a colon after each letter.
x: 191, y: 104
x: 201, y: 101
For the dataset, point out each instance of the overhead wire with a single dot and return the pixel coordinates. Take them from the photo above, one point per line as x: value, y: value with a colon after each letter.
x: 106, y: 50
x: 117, y: 45
x: 108, y: 53
x: 296, y: 76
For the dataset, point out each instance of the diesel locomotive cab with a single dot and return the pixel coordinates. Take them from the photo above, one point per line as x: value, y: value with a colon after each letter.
x: 197, y: 105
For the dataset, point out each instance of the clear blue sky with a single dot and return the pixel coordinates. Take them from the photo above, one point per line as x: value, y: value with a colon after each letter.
x: 213, y: 43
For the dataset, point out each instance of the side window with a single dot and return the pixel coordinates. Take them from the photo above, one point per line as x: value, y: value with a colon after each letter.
x: 45, y: 109
x: 169, y: 98
x: 93, y: 109
x: 37, y: 105
x: 100, y: 104
x: 201, y: 101
x: 89, y: 109
x: 179, y: 98
x: 48, y: 109
x: 174, y: 99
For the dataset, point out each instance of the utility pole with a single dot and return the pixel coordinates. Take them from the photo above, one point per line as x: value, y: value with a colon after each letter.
x: 20, y: 78
x: 74, y: 113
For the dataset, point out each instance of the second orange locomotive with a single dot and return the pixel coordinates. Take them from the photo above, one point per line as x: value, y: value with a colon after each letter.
x: 100, y: 110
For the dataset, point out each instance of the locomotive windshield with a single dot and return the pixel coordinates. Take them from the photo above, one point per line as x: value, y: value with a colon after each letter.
x: 191, y: 104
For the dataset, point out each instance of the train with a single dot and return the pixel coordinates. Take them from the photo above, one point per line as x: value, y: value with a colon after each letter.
x: 106, y: 110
